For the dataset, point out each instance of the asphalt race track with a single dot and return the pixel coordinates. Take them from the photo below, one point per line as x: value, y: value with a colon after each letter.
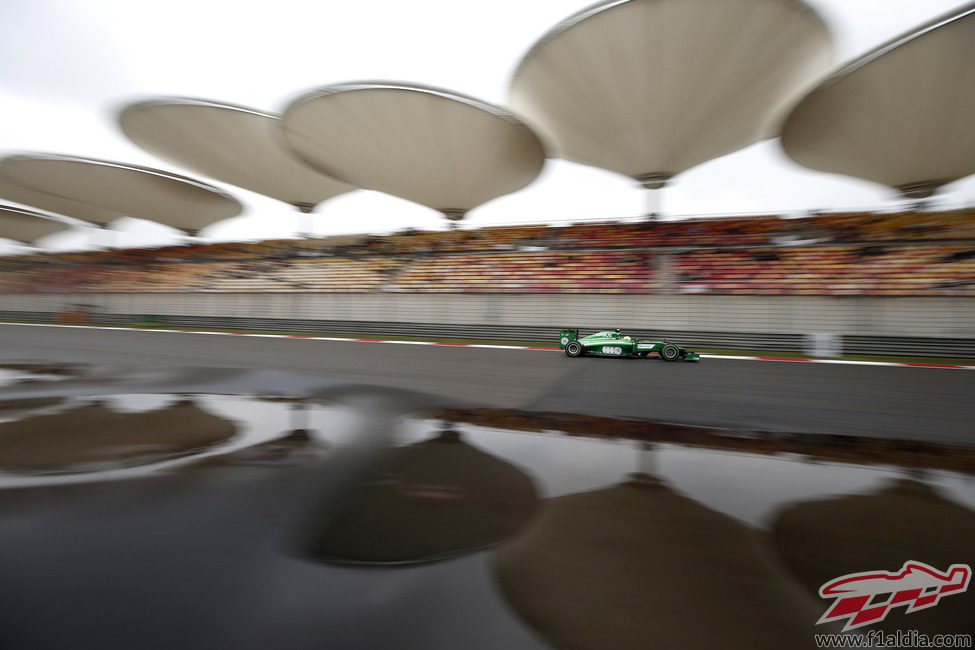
x: 899, y: 402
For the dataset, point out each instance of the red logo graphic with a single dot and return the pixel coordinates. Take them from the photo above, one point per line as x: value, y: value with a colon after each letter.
x: 917, y: 585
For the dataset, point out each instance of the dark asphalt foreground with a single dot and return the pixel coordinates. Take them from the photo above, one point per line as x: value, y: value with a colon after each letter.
x: 224, y: 554
x: 216, y: 558
x: 899, y: 402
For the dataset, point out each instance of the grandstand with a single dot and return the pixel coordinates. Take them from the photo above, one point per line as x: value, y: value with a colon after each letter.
x: 903, y: 254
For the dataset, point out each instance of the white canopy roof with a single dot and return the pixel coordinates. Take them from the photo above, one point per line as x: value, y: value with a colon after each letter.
x: 232, y: 144
x: 26, y: 226
x: 901, y: 115
x: 14, y: 191
x: 435, y: 147
x: 651, y: 88
x: 103, y: 191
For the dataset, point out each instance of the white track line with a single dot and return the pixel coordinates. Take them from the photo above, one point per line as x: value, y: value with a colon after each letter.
x: 489, y: 347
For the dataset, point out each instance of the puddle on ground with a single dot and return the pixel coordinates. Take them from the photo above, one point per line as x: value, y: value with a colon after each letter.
x: 378, y: 528
x: 52, y: 441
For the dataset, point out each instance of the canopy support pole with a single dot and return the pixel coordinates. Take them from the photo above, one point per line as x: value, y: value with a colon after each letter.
x: 307, y: 227
x: 654, y: 184
x: 653, y: 203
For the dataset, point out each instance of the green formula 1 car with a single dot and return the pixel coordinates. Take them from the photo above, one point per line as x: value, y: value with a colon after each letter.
x: 612, y: 343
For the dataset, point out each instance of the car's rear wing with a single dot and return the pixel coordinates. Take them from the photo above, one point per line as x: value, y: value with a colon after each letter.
x: 567, y: 335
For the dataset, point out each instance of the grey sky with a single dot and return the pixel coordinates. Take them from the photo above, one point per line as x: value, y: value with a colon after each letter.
x: 66, y: 66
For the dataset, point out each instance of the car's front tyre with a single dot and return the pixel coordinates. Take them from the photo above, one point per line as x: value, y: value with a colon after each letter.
x: 670, y: 352
x: 573, y: 349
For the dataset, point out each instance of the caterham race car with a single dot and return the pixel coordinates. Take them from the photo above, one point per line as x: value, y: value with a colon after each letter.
x: 612, y: 343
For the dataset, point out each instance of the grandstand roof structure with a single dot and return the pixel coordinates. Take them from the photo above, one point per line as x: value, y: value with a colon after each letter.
x: 233, y: 144
x: 432, y: 146
x: 652, y: 88
x: 27, y: 226
x: 15, y: 191
x: 102, y: 191
x: 901, y: 115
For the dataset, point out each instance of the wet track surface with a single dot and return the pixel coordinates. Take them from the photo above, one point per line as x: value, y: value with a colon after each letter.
x: 909, y: 403
x: 161, y: 493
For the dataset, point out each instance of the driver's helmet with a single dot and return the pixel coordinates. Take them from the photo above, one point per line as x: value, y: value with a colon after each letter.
x: 617, y: 331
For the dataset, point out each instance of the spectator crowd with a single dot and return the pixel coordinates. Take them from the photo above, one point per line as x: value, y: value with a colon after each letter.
x: 926, y: 253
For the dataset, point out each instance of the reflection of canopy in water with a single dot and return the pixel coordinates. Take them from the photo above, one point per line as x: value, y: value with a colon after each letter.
x: 905, y: 520
x: 232, y: 144
x: 26, y: 226
x: 95, y: 434
x: 900, y: 115
x: 102, y: 191
x: 637, y: 565
x: 431, y: 500
x: 26, y: 403
x: 437, y: 148
x: 651, y: 88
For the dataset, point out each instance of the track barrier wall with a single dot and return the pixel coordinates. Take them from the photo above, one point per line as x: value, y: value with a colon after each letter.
x: 923, y: 326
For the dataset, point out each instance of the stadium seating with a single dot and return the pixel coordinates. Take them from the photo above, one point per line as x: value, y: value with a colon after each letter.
x: 530, y: 272
x: 836, y: 254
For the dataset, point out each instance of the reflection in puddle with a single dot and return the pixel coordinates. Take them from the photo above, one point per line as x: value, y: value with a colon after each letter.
x: 611, y: 562
x: 919, y: 452
x: 623, y: 567
x: 93, y: 437
x: 53, y: 440
x: 265, y: 521
x: 900, y: 520
x: 11, y: 406
x: 26, y: 374
x: 427, y: 501
x: 14, y: 374
x: 296, y: 446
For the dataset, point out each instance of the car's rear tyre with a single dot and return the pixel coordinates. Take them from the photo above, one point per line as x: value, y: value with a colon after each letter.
x: 670, y: 352
x: 573, y: 349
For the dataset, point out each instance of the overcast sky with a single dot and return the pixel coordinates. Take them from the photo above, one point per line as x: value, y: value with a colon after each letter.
x: 67, y: 66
